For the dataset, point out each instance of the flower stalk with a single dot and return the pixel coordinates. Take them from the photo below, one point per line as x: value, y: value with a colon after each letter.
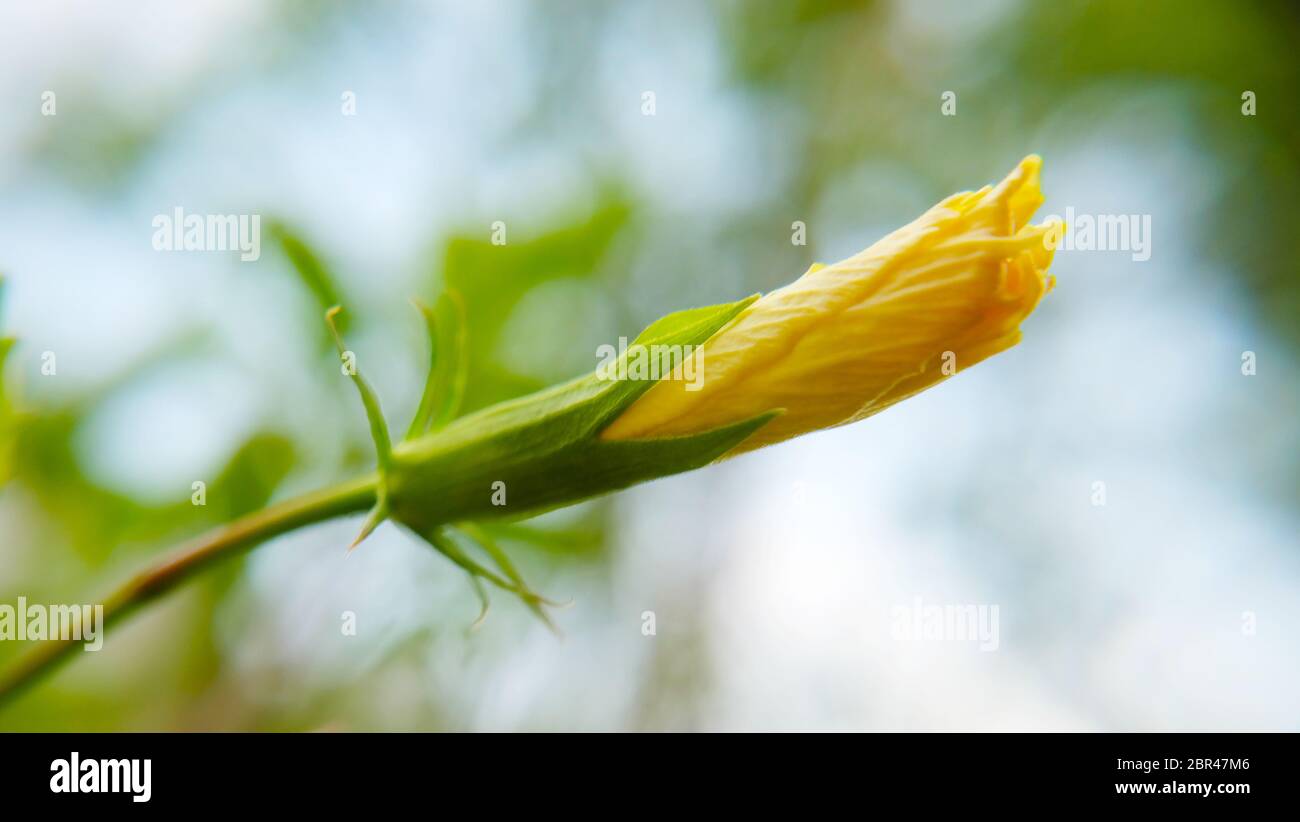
x: 190, y: 559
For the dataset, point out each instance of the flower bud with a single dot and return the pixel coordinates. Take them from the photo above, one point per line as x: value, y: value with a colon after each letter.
x: 848, y: 340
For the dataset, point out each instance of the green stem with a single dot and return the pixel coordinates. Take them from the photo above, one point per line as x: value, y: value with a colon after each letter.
x: 192, y: 558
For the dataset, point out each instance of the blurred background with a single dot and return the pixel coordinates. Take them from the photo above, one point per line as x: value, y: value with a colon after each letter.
x: 774, y: 578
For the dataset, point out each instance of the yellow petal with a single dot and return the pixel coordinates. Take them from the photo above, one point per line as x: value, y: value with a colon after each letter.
x: 847, y: 340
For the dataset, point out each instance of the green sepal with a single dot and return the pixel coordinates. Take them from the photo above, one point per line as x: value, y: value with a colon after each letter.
x: 369, y: 399
x: 444, y: 388
x: 546, y: 447
x: 513, y: 582
x: 378, y: 433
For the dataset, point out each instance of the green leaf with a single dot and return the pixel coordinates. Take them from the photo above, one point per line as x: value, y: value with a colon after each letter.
x: 6, y: 345
x: 311, y: 270
x: 251, y: 475
x: 495, y: 279
x: 6, y: 424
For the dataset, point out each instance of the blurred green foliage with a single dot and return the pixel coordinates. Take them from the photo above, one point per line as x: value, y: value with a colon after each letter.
x: 840, y: 93
x: 492, y: 279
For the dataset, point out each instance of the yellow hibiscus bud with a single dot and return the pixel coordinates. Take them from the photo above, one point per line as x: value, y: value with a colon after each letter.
x: 848, y: 340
